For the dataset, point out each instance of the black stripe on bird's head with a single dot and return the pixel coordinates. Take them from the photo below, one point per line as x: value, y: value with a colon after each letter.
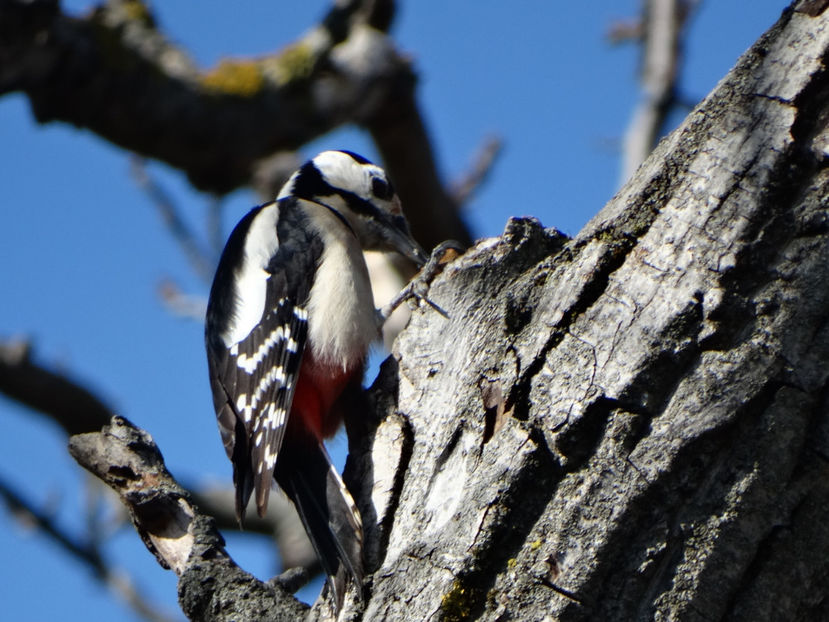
x: 361, y: 194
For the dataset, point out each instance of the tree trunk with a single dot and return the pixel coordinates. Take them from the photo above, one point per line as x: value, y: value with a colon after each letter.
x: 631, y: 424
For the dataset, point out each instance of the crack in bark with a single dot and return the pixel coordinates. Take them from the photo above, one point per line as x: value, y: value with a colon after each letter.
x: 517, y: 512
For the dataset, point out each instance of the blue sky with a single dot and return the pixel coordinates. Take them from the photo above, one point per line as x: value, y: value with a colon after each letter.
x: 83, y: 250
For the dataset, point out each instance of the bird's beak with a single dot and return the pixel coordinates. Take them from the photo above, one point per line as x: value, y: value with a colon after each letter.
x: 417, y: 255
x: 411, y: 249
x: 402, y: 240
x: 403, y: 243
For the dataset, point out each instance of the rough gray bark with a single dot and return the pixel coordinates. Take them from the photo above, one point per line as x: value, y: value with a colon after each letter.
x: 632, y: 424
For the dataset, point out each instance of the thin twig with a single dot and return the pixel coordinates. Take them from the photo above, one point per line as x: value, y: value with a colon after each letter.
x: 181, y: 304
x: 625, y: 30
x: 663, y: 28
x: 199, y: 259
x: 23, y: 509
x: 87, y: 553
x: 468, y: 184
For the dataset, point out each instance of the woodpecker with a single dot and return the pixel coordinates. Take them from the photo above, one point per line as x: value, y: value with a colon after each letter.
x: 289, y: 322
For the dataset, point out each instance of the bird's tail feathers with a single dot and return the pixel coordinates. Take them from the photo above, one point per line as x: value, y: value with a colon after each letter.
x: 329, y: 515
x: 242, y: 472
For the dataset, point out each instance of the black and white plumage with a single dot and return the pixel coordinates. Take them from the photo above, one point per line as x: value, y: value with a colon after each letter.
x: 289, y: 322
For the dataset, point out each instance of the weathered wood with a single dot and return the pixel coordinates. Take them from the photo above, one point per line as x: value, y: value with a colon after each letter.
x: 211, y: 586
x: 632, y: 424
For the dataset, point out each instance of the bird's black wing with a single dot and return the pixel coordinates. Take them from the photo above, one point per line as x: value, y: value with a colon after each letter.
x: 254, y: 378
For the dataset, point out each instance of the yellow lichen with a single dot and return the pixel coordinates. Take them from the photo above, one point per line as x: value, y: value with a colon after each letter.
x: 512, y: 563
x: 295, y: 62
x: 233, y: 77
x: 535, y: 545
x: 455, y: 604
x: 138, y: 11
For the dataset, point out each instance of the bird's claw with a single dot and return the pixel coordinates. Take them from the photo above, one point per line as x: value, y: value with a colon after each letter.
x: 416, y: 291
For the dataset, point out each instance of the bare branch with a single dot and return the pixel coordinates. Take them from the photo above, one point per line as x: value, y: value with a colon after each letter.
x: 115, y: 74
x: 116, y: 66
x: 400, y: 133
x: 77, y: 410
x: 73, y: 407
x: 662, y: 32
x: 26, y: 511
x: 211, y: 585
x: 181, y: 304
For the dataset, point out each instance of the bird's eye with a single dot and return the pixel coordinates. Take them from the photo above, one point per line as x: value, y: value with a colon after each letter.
x: 381, y: 188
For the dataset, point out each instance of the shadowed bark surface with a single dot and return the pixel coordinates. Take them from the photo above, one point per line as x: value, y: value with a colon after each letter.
x: 632, y: 424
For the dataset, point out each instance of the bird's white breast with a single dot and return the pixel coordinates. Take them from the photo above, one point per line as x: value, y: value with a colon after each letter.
x: 341, y: 316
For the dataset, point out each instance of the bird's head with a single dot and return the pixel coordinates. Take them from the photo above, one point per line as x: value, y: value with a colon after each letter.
x: 359, y: 192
